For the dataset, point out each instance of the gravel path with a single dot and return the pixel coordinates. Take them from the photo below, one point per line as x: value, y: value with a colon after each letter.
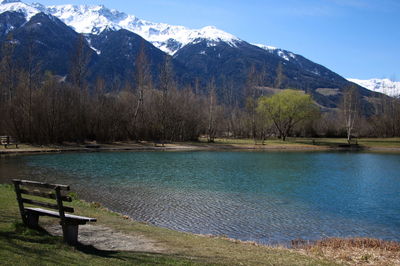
x: 105, y: 238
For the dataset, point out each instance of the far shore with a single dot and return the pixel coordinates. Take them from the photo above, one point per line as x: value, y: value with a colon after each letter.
x: 300, y: 144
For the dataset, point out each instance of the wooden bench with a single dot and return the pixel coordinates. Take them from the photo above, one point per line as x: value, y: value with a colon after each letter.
x: 7, y: 140
x: 30, y: 216
x: 159, y: 142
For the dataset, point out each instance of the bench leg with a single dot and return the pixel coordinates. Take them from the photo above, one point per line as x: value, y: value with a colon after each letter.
x: 32, y: 220
x: 70, y: 234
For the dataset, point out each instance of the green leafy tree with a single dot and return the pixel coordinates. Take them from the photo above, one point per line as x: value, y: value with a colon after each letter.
x: 287, y: 109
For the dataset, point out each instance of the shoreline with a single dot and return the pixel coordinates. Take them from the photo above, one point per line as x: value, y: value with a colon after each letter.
x: 294, y: 244
x: 190, y: 146
x: 125, y: 233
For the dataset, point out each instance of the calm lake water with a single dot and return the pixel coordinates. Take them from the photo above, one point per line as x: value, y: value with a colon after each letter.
x: 265, y: 197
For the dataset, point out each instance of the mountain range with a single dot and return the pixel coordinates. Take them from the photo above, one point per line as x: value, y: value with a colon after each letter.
x: 385, y: 86
x: 113, y: 40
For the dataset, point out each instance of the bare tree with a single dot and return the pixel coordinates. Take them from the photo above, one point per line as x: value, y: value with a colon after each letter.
x: 78, y: 74
x: 253, y: 81
x: 143, y: 81
x: 32, y: 73
x: 7, y: 70
x: 350, y: 110
x: 280, y: 76
x: 166, y: 85
x: 211, y: 111
x: 79, y: 63
x: 386, y: 121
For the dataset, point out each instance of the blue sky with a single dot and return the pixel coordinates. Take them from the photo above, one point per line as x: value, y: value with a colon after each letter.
x: 355, y: 38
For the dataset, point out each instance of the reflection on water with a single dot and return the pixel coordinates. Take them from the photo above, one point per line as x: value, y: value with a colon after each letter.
x: 265, y: 197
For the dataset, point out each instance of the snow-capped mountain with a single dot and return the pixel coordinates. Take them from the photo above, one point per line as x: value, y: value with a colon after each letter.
x: 280, y: 52
x: 114, y: 40
x: 95, y: 19
x: 386, y: 86
x: 18, y: 6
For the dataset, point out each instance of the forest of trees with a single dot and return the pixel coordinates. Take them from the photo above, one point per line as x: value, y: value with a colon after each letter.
x: 42, y: 108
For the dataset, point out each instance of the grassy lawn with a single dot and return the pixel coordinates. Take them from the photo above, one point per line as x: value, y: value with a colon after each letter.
x: 22, y: 246
x: 366, y: 142
x: 20, y: 146
x: 328, y: 142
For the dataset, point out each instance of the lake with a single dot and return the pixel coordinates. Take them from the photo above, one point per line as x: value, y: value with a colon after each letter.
x: 268, y: 197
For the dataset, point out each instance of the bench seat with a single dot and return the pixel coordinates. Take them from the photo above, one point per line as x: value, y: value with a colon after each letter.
x: 44, y: 212
x: 30, y: 216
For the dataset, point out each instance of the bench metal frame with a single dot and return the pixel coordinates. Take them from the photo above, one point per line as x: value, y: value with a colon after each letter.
x: 30, y: 216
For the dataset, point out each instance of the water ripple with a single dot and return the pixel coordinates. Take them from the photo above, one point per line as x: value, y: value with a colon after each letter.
x: 264, y: 197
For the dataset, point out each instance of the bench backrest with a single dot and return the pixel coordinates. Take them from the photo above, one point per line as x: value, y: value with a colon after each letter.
x: 7, y: 140
x: 44, y: 190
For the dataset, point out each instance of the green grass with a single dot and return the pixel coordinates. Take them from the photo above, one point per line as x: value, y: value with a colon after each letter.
x: 366, y: 142
x: 20, y: 146
x: 324, y: 142
x: 22, y: 246
x: 381, y: 142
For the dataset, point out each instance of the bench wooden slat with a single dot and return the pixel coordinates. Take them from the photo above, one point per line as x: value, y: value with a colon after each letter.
x: 7, y: 140
x: 30, y: 216
x: 41, y: 184
x: 44, y: 212
x: 47, y: 205
x: 48, y: 195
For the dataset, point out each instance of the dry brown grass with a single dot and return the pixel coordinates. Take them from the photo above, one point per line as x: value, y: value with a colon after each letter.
x: 354, y: 251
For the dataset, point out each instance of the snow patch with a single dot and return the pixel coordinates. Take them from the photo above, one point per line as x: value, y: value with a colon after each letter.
x: 316, y: 72
x: 265, y: 47
x: 283, y: 55
x: 92, y: 47
x: 9, y: 28
x: 286, y: 55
